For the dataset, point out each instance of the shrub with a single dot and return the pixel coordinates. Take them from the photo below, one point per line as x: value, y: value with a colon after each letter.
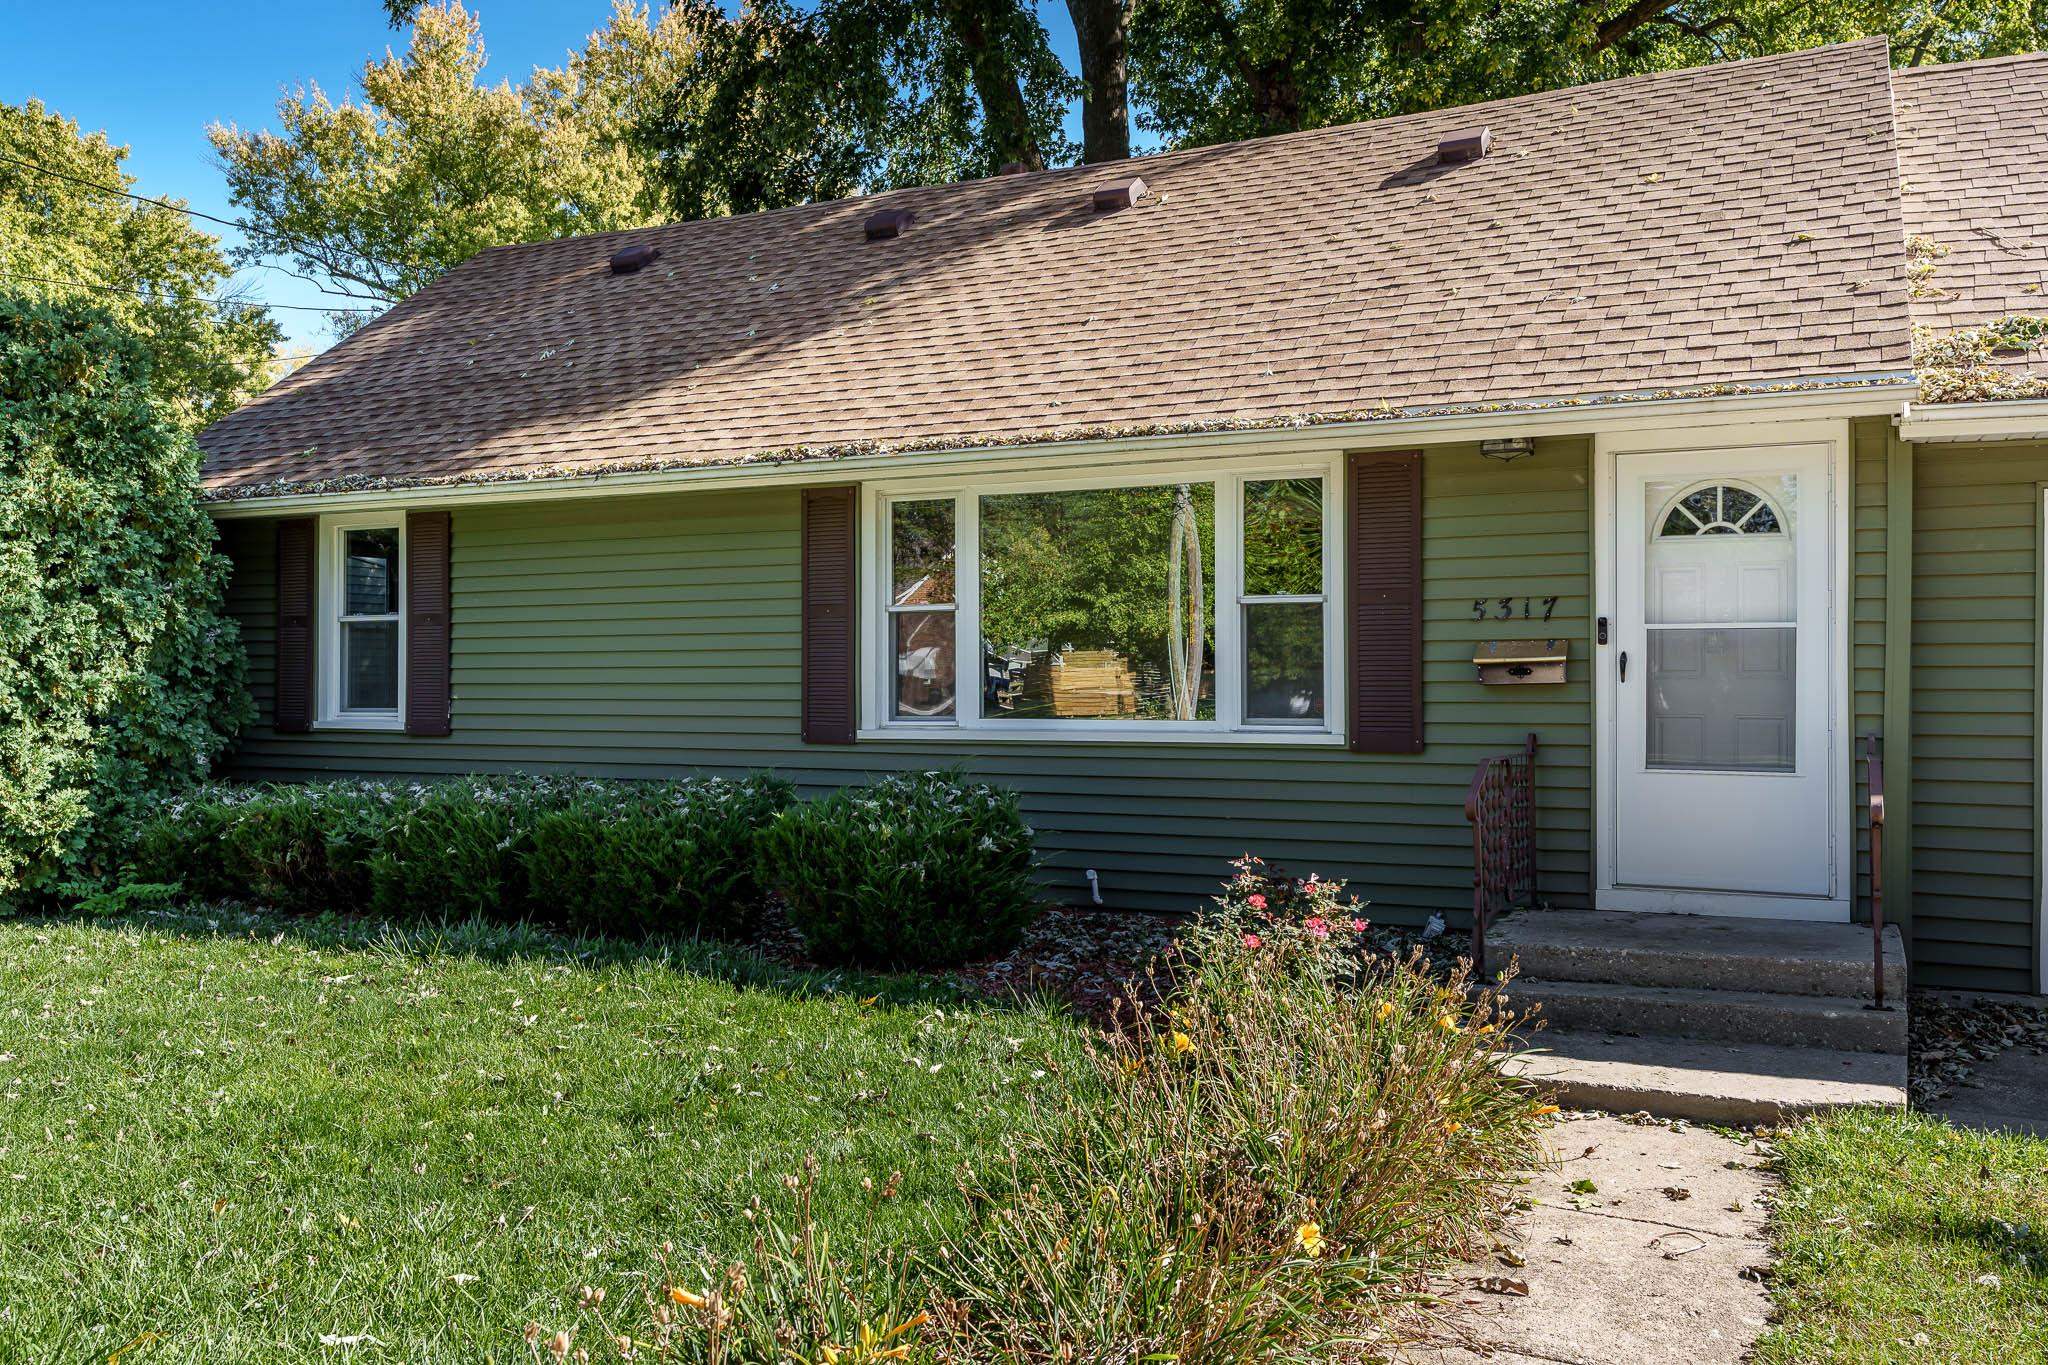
x: 308, y: 849
x: 670, y: 858
x: 921, y: 870
x: 1301, y: 1131
x: 181, y: 840
x: 458, y: 849
x: 120, y: 673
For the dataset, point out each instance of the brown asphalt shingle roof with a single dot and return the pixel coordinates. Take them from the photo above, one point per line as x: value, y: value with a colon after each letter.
x: 1736, y: 224
x: 1973, y: 160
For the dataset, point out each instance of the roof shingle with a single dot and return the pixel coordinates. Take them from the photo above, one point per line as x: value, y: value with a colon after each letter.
x: 1733, y: 224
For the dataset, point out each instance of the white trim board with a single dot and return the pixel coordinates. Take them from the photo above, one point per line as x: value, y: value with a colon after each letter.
x: 1306, y: 442
x: 2041, y: 762
x: 1693, y: 440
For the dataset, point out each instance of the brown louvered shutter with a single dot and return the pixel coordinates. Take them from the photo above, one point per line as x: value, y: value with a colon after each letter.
x: 292, y: 702
x: 426, y: 623
x: 828, y: 615
x: 1383, y: 549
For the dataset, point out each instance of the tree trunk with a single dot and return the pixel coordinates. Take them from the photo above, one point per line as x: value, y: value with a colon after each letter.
x: 996, y: 85
x: 1276, y: 98
x: 1103, y: 28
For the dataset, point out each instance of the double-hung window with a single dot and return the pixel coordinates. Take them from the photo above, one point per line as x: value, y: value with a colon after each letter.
x: 362, y: 621
x: 1165, y: 605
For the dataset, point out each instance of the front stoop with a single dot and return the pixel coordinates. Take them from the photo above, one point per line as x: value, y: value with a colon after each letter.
x: 1706, y: 1017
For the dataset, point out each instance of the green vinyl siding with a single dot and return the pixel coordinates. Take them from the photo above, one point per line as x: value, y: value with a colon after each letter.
x: 1976, y: 558
x: 1867, y: 536
x: 658, y: 634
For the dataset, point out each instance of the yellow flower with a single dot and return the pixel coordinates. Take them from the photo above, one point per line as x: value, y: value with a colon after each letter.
x: 1485, y: 1028
x: 1545, y: 1109
x: 829, y: 1353
x: 1449, y: 1025
x: 1182, y: 1044
x: 677, y: 1294
x: 1386, y: 1008
x: 1309, y: 1237
x: 1453, y: 1126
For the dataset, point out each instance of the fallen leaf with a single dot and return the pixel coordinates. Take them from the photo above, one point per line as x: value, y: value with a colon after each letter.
x: 1676, y: 1192
x: 1514, y: 1260
x: 1502, y: 1284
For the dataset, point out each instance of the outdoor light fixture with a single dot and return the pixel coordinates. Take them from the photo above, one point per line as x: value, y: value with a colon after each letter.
x: 1508, y: 449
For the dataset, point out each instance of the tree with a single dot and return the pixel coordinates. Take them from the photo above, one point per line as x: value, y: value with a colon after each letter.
x: 68, y: 231
x: 379, y: 195
x: 782, y: 105
x: 120, y: 674
x: 1214, y: 70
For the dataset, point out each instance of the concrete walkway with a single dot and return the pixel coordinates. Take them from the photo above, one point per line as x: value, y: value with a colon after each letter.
x: 1645, y: 1266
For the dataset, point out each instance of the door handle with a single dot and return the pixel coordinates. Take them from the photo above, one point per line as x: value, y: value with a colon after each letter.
x: 1624, y: 665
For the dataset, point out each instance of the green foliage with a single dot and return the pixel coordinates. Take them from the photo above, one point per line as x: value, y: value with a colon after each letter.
x: 1217, y: 70
x: 183, y: 839
x: 785, y: 104
x: 380, y: 195
x: 120, y: 674
x: 67, y: 233
x: 458, y: 850
x: 670, y: 859
x: 921, y: 870
x: 308, y: 849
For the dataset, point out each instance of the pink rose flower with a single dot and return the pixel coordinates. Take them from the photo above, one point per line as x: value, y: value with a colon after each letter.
x: 1316, y: 927
x: 1256, y: 901
x: 1252, y: 940
x: 1357, y: 926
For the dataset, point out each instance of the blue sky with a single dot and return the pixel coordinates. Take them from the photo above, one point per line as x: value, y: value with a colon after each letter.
x: 154, y: 75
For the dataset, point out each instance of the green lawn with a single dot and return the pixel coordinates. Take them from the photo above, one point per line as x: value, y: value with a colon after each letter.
x: 1905, y: 1239
x: 226, y: 1138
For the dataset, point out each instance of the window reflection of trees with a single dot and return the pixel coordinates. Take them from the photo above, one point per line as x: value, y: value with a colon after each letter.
x: 1095, y: 603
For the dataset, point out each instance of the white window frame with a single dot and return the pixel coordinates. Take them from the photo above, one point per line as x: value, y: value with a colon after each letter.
x: 1229, y: 726
x: 330, y: 594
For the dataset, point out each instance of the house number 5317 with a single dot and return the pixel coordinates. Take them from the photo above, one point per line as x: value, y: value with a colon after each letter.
x: 1512, y: 608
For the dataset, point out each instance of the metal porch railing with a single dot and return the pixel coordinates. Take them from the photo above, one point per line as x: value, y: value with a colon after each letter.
x: 1500, y: 805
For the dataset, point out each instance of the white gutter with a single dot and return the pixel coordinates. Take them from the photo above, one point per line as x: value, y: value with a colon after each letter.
x: 1884, y: 397
x: 2013, y: 420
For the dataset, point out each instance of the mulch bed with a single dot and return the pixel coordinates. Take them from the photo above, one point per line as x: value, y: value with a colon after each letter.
x: 1949, y: 1039
x: 1084, y: 958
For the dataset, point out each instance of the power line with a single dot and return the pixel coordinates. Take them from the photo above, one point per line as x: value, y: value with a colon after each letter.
x: 189, y: 212
x: 172, y: 298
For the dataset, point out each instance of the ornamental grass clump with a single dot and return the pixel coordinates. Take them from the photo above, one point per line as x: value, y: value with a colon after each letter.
x: 1267, y: 1159
x: 922, y: 870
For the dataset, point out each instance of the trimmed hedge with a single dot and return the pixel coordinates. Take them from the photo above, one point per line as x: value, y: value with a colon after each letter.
x: 916, y: 871
x: 588, y: 856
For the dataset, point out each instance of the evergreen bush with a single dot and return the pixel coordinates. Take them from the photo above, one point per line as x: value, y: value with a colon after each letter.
x: 927, y: 869
x: 121, y: 677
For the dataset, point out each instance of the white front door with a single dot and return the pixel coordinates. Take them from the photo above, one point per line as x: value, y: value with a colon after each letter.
x: 1722, y: 679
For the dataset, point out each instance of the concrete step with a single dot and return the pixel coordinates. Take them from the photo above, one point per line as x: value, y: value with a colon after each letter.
x: 1731, y: 1083
x: 1788, y: 957
x: 1825, y: 1021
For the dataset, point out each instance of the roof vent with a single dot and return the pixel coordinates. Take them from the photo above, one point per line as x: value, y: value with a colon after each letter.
x: 888, y: 223
x: 629, y: 260
x: 1119, y: 196
x: 1468, y: 145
